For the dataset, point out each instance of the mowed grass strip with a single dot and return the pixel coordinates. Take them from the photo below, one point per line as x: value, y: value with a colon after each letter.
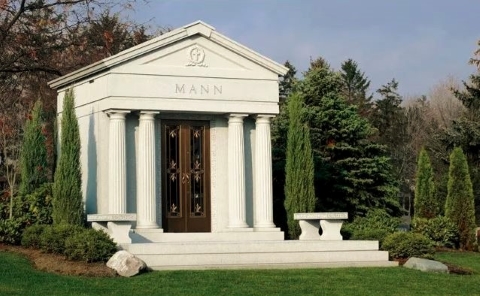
x: 17, y: 277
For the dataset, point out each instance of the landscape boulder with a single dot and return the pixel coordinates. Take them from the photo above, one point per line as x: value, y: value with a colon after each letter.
x: 126, y: 264
x: 426, y: 265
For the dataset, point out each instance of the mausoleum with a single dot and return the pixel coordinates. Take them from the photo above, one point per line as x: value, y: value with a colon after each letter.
x: 176, y: 154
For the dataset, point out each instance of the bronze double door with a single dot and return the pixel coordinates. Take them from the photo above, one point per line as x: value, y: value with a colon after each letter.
x: 186, y: 176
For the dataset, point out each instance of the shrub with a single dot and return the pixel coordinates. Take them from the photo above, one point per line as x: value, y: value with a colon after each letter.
x: 32, y: 236
x: 54, y: 237
x: 36, y: 207
x: 440, y: 230
x: 371, y: 234
x: 408, y: 244
x: 374, y: 226
x: 11, y: 231
x: 90, y: 245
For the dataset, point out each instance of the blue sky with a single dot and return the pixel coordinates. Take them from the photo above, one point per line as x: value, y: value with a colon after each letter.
x: 417, y: 42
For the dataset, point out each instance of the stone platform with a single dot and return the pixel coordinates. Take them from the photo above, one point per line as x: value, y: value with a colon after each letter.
x: 165, y: 251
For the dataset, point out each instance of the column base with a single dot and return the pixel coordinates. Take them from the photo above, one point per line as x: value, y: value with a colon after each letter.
x: 239, y: 229
x: 266, y: 229
x: 147, y: 226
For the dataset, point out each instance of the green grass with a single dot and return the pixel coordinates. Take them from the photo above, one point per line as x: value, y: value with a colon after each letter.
x: 17, y: 277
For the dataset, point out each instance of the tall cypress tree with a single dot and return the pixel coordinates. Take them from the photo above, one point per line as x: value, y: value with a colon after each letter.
x: 67, y: 192
x: 299, y: 187
x: 425, y: 203
x: 34, y: 153
x: 459, y: 206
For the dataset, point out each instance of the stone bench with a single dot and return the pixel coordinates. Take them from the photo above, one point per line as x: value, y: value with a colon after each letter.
x: 331, y: 224
x: 116, y: 225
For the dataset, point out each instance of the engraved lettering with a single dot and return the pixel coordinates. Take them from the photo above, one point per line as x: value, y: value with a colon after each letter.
x: 204, y: 89
x: 179, y: 90
x: 198, y: 89
x: 193, y: 90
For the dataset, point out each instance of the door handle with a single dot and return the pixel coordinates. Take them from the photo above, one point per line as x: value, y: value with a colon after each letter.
x: 185, y: 178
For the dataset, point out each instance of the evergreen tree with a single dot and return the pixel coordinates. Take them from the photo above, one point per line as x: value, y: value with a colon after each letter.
x: 33, y: 163
x: 287, y: 82
x: 425, y: 203
x: 464, y: 132
x: 352, y: 173
x: 279, y: 147
x: 299, y: 188
x: 459, y: 206
x: 67, y: 192
x: 355, y: 87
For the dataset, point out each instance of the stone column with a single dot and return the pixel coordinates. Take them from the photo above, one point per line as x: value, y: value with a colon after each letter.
x: 146, y: 176
x: 117, y: 163
x: 236, y: 173
x: 263, y: 196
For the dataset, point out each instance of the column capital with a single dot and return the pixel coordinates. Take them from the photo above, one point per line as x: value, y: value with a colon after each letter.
x: 236, y: 118
x: 116, y: 113
x: 263, y: 118
x: 148, y: 115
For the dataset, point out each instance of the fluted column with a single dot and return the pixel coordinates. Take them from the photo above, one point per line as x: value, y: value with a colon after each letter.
x: 263, y: 196
x: 236, y: 172
x: 117, y: 163
x: 146, y: 189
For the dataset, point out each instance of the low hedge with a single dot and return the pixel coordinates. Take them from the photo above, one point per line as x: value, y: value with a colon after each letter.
x: 403, y: 245
x: 90, y: 245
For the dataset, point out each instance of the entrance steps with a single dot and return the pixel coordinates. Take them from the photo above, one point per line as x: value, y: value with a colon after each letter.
x: 201, y: 254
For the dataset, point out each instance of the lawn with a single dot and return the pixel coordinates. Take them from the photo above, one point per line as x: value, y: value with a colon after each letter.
x: 17, y: 277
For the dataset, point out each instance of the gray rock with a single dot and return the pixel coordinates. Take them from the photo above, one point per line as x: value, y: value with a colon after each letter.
x: 426, y: 265
x: 126, y: 264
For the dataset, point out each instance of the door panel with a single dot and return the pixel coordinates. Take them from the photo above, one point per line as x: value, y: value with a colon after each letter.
x: 186, y: 176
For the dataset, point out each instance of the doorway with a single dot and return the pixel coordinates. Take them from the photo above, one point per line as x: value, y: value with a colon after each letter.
x: 186, y: 176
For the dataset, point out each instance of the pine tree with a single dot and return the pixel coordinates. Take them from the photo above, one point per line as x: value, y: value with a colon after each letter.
x: 299, y: 188
x: 459, y: 206
x: 355, y: 87
x: 352, y: 173
x: 67, y: 192
x: 34, y: 153
x: 425, y: 203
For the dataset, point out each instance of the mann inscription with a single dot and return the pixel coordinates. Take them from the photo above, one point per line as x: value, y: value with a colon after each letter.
x: 198, y: 89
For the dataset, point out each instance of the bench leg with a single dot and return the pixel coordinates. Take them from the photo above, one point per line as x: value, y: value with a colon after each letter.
x: 310, y: 229
x: 119, y: 231
x: 331, y: 229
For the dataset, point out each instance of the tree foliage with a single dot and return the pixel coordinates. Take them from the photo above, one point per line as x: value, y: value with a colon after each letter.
x: 459, y: 206
x: 67, y: 192
x: 299, y: 188
x: 426, y: 205
x: 355, y: 87
x: 352, y: 173
x: 34, y: 171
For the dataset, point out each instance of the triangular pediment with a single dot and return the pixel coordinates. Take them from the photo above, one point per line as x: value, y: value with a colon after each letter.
x: 196, y: 48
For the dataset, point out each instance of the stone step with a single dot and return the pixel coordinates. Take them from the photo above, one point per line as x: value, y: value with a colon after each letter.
x: 259, y: 254
x: 253, y: 259
x: 156, y: 235
x: 251, y: 247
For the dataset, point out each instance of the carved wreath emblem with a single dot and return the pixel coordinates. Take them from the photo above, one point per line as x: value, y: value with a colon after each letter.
x: 196, y: 57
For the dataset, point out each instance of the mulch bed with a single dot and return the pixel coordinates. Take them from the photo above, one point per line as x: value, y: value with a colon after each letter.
x: 59, y: 264
x: 453, y: 269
